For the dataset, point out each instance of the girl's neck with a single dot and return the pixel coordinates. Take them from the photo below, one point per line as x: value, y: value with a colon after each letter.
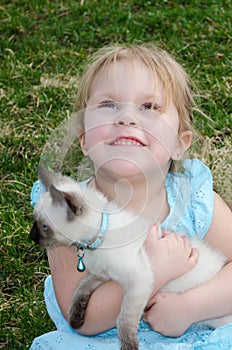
x: 142, y: 197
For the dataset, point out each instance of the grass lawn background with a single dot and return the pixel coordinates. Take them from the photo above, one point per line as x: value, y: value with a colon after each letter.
x: 43, y: 49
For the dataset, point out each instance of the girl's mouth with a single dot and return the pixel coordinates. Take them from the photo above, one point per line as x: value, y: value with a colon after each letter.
x: 127, y: 141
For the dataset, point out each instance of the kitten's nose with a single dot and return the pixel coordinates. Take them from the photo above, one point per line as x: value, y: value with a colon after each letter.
x: 34, y: 233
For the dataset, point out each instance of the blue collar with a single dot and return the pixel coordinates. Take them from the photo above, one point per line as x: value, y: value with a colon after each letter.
x: 97, y: 240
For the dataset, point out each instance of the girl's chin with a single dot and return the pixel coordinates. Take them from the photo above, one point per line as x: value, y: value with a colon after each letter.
x: 129, y: 164
x: 128, y: 169
x: 123, y: 168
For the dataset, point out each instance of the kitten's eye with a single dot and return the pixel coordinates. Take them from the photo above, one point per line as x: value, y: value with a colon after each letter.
x: 44, y: 228
x: 108, y: 104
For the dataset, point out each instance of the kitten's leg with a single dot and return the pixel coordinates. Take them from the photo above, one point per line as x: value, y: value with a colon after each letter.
x: 137, y: 290
x: 81, y: 298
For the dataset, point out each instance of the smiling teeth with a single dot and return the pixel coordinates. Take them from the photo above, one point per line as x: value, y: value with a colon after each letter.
x: 123, y: 142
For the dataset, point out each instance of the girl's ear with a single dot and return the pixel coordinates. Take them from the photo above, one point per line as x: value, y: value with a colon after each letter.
x: 185, y: 140
x: 81, y: 138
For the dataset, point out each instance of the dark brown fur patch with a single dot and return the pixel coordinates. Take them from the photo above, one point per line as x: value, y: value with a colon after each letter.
x: 73, y: 201
x: 75, y: 204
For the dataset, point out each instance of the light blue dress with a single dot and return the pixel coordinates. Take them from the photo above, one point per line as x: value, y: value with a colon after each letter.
x: 190, y: 196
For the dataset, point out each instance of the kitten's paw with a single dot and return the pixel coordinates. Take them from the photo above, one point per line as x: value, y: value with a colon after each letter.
x: 77, y: 312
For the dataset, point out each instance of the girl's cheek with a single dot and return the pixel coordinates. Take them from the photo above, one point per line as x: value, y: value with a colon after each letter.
x: 165, y: 134
x: 95, y: 135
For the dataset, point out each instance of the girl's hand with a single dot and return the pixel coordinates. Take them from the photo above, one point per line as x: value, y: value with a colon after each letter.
x: 168, y: 314
x: 170, y: 256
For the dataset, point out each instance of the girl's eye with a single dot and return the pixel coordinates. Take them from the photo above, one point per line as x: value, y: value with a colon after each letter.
x: 149, y: 105
x: 108, y: 104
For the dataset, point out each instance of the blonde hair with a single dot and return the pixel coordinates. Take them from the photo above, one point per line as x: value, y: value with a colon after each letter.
x: 175, y: 81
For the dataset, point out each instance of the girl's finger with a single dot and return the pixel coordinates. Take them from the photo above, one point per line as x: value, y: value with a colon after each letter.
x: 153, y: 231
x: 165, y: 233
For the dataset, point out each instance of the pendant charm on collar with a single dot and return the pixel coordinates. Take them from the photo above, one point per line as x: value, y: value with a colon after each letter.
x: 93, y: 243
x: 80, y: 264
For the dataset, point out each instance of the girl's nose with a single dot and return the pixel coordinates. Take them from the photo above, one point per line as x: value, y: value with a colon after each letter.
x: 124, y: 123
x: 127, y: 117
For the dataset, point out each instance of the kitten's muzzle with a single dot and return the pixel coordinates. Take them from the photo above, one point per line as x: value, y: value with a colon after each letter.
x: 34, y: 233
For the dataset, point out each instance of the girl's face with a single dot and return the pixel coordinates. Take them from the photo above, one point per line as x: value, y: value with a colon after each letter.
x: 127, y: 132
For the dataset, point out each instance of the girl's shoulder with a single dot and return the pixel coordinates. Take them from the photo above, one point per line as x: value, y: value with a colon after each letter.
x: 190, y: 197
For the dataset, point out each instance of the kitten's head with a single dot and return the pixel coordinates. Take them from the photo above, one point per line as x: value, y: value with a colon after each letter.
x: 66, y: 212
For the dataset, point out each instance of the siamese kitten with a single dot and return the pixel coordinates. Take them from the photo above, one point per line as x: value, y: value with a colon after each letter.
x: 110, y: 242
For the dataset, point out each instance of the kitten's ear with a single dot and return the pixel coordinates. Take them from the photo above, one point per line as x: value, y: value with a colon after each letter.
x: 48, y: 178
x: 72, y: 202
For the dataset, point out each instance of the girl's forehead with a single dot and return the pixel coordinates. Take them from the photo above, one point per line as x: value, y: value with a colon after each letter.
x: 125, y: 77
x: 133, y: 69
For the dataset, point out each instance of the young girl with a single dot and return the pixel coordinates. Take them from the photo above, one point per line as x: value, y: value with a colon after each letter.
x: 135, y: 127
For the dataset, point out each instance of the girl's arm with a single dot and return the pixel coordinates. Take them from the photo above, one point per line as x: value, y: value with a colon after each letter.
x: 105, y: 302
x: 172, y: 314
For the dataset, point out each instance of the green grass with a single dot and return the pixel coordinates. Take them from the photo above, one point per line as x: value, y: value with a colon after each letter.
x: 44, y: 46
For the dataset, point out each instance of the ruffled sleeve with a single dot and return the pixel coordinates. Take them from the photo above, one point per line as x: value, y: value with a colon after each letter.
x: 190, y: 197
x: 202, y: 200
x: 37, y: 190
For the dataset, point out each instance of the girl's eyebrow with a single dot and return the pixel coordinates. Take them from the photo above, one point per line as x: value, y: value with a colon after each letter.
x: 103, y: 96
x: 152, y: 97
x: 100, y: 98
